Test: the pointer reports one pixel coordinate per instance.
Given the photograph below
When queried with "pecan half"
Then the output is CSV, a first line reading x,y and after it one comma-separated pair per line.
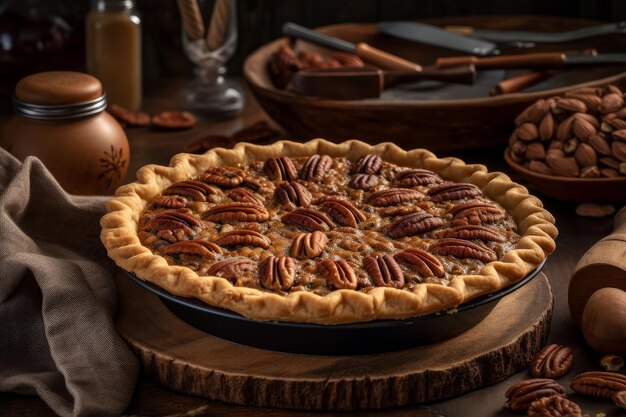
x,y
240,212
363,181
521,395
192,190
393,196
342,211
243,238
384,270
308,219
170,201
447,192
413,224
308,245
368,164
232,268
173,120
281,169
316,167
200,248
554,406
423,262
172,220
293,193
599,384
278,272
553,361
619,399
469,232
414,177
223,176
476,213
340,274
241,195
463,249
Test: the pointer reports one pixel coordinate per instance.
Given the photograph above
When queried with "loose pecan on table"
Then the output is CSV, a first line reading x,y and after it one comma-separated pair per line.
x,y
243,238
293,193
170,201
308,245
521,395
447,192
611,363
316,167
476,212
223,176
127,117
281,169
413,224
554,406
423,262
414,177
200,248
599,383
368,164
174,120
553,361
340,274
308,219
342,211
232,268
239,212
191,189
470,232
278,272
363,181
463,249
384,270
393,196
241,195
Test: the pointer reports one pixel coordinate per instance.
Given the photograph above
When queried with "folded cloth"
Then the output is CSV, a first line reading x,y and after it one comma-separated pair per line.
x,y
57,297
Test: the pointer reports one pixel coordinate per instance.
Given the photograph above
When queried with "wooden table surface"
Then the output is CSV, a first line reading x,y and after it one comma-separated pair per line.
x,y
576,235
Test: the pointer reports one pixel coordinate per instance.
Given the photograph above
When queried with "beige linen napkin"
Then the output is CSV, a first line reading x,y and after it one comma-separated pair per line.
x,y
57,297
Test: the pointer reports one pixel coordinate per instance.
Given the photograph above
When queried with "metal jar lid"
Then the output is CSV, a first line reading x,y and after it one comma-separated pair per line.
x,y
60,111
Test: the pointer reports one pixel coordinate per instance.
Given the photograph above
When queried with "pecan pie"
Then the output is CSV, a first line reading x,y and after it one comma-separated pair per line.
x,y
326,233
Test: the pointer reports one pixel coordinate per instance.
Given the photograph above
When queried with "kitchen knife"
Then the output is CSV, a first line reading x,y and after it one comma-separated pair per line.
x,y
515,36
542,60
366,52
433,35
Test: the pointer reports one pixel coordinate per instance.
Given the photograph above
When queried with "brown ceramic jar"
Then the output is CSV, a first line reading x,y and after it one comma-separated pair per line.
x,y
61,119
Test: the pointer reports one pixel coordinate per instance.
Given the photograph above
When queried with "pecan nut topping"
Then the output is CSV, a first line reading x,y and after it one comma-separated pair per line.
x,y
393,196
308,219
470,232
384,270
476,213
340,274
236,212
342,211
281,169
413,224
368,164
423,262
316,167
200,248
463,249
308,245
521,395
363,181
172,220
599,384
553,361
278,273
293,193
223,176
170,201
415,177
554,406
241,195
448,192
243,238
192,190
232,268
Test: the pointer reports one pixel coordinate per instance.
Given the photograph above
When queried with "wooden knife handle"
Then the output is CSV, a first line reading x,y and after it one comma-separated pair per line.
x,y
537,60
384,59
519,82
460,30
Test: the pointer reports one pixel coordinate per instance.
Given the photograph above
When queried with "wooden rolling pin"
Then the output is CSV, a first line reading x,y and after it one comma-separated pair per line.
x,y
604,265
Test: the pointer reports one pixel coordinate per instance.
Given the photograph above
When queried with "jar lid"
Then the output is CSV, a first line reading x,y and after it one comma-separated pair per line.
x,y
59,95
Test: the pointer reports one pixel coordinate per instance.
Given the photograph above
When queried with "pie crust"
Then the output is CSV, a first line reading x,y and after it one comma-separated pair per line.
x,y
120,236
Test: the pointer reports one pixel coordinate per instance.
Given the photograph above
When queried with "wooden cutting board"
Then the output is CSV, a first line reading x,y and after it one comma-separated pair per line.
x,y
185,359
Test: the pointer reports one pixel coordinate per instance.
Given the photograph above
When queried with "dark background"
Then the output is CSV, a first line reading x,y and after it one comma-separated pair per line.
x,y
259,22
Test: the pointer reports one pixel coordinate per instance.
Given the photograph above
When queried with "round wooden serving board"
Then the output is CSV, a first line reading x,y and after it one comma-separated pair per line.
x,y
185,359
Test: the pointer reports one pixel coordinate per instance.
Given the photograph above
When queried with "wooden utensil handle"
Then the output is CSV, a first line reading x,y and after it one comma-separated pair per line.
x,y
384,59
519,82
538,60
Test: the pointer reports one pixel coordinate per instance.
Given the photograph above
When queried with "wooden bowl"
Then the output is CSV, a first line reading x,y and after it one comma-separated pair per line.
x,y
433,116
579,190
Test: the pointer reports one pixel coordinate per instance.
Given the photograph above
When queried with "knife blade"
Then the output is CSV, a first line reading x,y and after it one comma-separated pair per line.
x,y
514,36
433,35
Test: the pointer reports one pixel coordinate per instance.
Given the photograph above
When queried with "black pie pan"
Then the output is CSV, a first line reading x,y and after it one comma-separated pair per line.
x,y
340,339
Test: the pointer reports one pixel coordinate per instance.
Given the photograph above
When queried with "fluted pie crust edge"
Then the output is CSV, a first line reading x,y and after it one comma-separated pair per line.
x,y
120,226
